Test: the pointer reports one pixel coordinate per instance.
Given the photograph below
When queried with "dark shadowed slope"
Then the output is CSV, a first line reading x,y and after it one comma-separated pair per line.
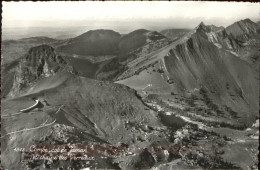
x,y
107,42
92,43
103,54
137,39
97,111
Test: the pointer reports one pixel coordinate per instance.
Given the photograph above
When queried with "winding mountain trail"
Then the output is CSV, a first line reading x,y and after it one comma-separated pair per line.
x,y
14,114
184,118
28,129
19,113
23,110
31,107
34,128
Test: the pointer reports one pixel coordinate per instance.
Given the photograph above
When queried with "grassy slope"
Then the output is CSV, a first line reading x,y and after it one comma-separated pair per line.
x,y
99,108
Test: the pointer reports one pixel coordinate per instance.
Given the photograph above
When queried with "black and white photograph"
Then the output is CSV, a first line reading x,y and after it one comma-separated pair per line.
x,y
161,85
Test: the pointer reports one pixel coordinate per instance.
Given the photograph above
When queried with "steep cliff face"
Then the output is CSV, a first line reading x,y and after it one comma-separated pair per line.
x,y
247,33
208,63
218,36
208,60
40,62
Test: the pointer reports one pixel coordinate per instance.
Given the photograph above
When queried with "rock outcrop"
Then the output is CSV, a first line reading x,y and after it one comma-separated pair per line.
x,y
40,62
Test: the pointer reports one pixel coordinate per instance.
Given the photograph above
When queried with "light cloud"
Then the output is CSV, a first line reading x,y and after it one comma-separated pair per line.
x,y
152,13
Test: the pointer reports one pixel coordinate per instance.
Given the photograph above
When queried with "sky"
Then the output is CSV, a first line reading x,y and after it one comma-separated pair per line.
x,y
126,15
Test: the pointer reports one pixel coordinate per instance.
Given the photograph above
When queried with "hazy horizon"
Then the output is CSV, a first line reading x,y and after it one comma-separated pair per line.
x,y
128,14
74,18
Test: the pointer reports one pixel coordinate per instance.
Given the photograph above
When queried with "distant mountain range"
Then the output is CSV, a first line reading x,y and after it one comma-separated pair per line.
x,y
94,43
107,42
201,50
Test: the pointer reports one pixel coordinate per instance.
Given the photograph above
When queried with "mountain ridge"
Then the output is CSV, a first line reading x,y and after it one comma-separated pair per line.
x,y
193,62
242,30
107,42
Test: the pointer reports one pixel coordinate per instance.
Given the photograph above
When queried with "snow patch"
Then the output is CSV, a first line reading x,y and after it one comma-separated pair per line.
x,y
168,113
212,37
232,52
241,141
186,119
46,71
176,55
228,44
218,45
256,124
255,137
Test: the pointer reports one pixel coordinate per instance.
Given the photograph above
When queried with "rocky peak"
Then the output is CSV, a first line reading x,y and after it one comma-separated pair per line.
x,y
242,30
40,61
209,28
43,60
215,35
247,20
203,27
215,28
202,24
